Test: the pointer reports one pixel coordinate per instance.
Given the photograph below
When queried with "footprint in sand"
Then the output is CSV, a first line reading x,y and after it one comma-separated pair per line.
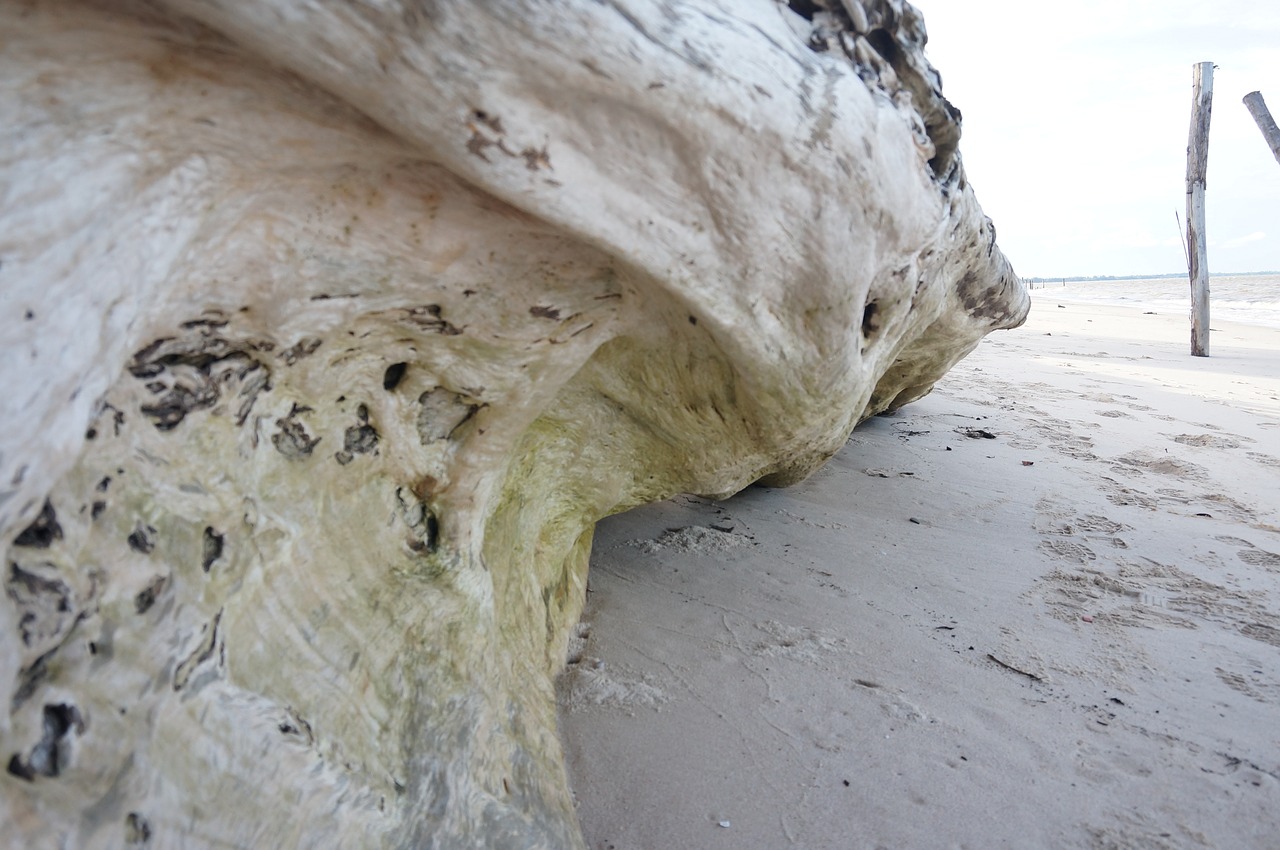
x,y
1207,503
1068,550
1095,527
1264,459
795,642
1260,558
895,704
1261,632
1250,686
1164,464
1101,524
1122,496
1207,441
1146,593
1114,600
1233,508
1064,441
1076,447
900,708
1113,414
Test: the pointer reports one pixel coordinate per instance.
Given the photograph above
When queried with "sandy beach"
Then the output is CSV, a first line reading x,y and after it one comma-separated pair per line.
x,y
1038,608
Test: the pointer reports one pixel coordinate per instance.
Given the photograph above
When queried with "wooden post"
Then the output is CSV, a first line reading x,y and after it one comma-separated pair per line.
x,y
1262,117
1197,166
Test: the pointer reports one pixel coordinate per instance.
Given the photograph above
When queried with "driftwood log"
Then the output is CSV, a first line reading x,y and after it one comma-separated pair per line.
x,y
332,329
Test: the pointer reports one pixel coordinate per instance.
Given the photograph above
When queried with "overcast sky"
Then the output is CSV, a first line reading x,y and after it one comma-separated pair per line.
x,y
1076,117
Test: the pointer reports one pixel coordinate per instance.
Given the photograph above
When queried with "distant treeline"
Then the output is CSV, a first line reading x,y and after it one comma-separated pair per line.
x,y
1141,277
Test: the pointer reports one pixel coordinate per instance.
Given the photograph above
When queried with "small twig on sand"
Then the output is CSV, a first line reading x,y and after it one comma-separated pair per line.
x,y
1182,238
1008,666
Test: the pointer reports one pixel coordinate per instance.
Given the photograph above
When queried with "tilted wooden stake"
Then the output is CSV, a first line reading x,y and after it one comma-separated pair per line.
x,y
1262,116
1197,166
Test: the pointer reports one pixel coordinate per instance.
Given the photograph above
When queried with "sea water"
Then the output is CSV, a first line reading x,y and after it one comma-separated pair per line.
x,y
1253,299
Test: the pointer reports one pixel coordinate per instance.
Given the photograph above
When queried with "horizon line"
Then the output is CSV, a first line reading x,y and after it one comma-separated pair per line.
x,y
1046,279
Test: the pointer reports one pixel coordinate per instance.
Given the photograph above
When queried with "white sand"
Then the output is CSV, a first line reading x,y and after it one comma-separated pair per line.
x,y
932,644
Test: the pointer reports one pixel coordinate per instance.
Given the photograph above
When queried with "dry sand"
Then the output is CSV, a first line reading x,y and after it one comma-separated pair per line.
x,y
1065,634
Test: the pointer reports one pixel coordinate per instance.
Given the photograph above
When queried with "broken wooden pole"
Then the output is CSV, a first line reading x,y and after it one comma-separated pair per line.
x,y
1197,166
1262,117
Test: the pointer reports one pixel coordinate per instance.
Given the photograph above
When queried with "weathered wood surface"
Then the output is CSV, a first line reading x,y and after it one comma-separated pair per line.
x,y
333,328
1262,117
1197,169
